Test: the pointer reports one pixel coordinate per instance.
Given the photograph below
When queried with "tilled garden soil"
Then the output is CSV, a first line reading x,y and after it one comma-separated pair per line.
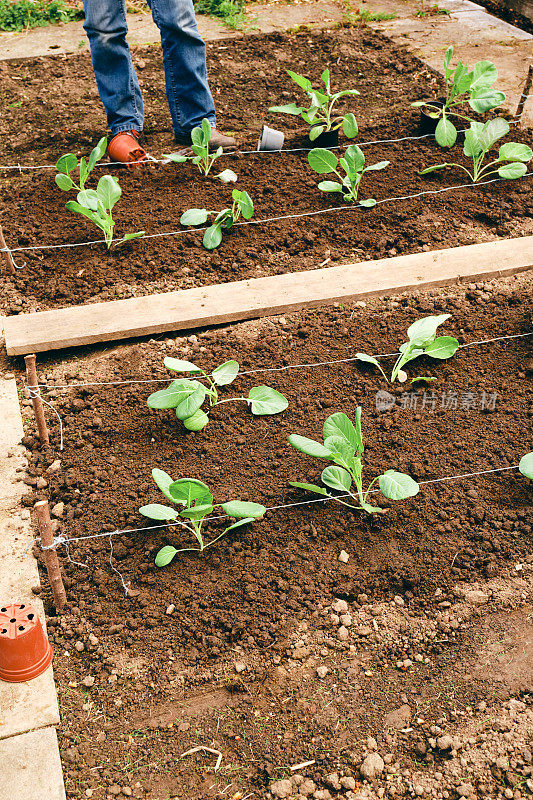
x,y
218,649
247,76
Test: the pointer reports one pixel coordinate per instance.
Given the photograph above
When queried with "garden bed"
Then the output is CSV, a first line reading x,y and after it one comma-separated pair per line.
x,y
245,83
250,597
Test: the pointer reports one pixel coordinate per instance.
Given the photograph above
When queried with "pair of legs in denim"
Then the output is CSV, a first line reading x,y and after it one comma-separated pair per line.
x,y
184,58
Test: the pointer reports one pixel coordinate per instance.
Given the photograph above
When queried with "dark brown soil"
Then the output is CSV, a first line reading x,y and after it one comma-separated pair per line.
x,y
246,80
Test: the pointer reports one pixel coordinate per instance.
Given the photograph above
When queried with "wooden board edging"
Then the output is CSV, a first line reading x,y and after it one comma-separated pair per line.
x,y
261,297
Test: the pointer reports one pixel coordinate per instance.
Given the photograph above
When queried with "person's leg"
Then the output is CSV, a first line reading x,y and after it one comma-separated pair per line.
x,y
184,57
118,87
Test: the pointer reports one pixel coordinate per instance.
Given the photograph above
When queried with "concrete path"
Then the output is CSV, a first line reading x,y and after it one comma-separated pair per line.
x,y
28,743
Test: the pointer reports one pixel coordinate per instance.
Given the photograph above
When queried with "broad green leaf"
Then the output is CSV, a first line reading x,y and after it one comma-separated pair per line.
x,y
198,511
355,158
473,146
370,360
290,108
372,509
448,56
483,100
342,452
397,485
190,404
225,373
179,365
197,421
526,465
194,216
445,133
514,170
212,236
325,78
187,490
198,138
108,191
176,158
338,424
330,186
378,165
422,379
67,163
163,481
309,446
303,83
427,170
370,202
514,151
322,160
336,478
266,401
129,236
97,153
484,74
227,176
172,395
245,203
239,524
206,128
165,555
72,205
349,126
418,104
240,509
493,130
64,182
423,329
442,347
159,512
316,131
309,487
88,198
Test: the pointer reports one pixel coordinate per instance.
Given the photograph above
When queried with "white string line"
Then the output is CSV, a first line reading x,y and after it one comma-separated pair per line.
x,y
62,539
239,153
266,369
269,219
35,391
6,249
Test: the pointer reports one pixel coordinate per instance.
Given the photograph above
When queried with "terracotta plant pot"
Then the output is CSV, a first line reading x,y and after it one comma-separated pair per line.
x,y
25,652
326,139
428,124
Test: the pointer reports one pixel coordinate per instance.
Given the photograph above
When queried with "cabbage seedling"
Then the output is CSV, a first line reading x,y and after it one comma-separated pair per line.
x,y
479,138
526,465
352,163
95,204
202,158
187,396
463,85
320,114
343,445
423,341
196,503
224,220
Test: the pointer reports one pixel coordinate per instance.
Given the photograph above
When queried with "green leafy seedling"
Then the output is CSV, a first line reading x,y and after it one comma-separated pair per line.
x,y
320,113
479,138
187,395
202,156
196,504
343,445
423,341
95,204
352,163
526,465
224,220
463,85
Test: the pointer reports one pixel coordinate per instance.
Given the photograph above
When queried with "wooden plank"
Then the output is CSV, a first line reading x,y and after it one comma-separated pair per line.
x,y
258,297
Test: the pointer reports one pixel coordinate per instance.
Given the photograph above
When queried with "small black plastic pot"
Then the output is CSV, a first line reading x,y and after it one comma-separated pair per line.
x,y
326,139
428,124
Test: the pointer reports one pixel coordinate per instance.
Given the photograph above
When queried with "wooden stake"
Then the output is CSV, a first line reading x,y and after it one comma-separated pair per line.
x,y
31,380
6,254
50,555
525,92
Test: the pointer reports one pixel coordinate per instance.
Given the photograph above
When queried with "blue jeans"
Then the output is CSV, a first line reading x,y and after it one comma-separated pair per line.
x,y
184,58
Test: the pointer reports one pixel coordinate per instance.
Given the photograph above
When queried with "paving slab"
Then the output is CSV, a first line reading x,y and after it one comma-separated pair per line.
x,y
31,768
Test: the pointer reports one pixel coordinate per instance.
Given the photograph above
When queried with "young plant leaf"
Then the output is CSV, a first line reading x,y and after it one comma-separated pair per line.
x,y
198,511
515,170
422,379
180,365
265,400
337,478
377,166
158,512
515,151
163,481
227,176
526,465
64,182
338,424
240,509
88,198
443,347
349,126
316,131
173,395
187,490
97,153
108,191
446,133
309,446
239,524
165,555
309,487
66,163
369,203
290,108
197,421
191,403
212,237
330,186
370,360
225,373
322,160
482,100
303,83
397,485
194,216
424,328
176,158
